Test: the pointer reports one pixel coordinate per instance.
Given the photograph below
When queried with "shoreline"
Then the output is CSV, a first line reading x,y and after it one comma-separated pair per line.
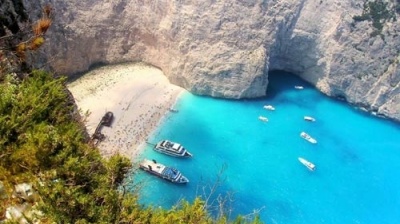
x,y
139,95
158,124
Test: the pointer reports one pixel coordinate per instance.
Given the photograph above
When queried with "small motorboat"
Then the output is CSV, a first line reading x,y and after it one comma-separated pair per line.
x,y
262,118
308,118
269,107
308,137
298,87
307,164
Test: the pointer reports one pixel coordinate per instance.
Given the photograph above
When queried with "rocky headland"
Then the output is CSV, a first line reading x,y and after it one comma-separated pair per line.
x,y
347,49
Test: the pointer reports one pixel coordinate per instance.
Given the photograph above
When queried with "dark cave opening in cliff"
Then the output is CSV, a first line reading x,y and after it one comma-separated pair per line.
x,y
280,81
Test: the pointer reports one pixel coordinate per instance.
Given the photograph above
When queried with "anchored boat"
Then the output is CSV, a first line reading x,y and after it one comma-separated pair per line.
x,y
269,107
162,171
172,149
309,118
308,137
262,118
308,164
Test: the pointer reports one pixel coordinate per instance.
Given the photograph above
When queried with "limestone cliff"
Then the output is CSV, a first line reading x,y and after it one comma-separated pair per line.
x,y
347,49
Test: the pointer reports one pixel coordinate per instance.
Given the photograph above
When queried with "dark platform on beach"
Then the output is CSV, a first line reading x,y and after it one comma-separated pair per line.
x,y
106,120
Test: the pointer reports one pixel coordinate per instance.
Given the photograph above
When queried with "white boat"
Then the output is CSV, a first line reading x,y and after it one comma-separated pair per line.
x,y
308,137
172,149
269,107
298,87
162,171
308,164
173,110
261,118
308,118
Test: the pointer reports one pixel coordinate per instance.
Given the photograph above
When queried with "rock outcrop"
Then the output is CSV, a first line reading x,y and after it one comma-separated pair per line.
x,y
347,49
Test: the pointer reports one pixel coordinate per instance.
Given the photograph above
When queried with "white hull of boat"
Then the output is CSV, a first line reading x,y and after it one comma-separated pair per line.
x,y
172,149
308,118
308,137
269,107
264,119
307,164
167,173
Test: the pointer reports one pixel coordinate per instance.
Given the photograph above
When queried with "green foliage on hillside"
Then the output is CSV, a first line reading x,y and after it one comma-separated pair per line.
x,y
378,12
20,38
41,143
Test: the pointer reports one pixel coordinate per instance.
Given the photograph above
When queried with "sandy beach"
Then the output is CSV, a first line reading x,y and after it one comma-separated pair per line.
x,y
138,95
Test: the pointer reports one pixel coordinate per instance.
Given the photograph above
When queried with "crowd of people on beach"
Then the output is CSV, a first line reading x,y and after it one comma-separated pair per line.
x,y
138,95
130,132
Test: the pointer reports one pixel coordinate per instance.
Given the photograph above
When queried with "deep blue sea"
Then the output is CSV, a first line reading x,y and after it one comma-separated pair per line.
x,y
357,157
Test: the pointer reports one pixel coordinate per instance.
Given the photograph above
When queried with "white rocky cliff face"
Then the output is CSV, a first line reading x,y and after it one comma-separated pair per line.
x,y
347,49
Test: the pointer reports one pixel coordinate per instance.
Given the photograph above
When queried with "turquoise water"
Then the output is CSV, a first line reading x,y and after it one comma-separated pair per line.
x,y
357,157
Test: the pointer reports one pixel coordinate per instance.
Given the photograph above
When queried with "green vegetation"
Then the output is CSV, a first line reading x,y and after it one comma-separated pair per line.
x,y
42,142
378,12
19,37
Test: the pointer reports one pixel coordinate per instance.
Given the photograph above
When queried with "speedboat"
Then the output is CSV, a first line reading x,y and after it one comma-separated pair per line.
x,y
261,118
308,137
269,107
165,172
298,87
308,118
308,164
172,149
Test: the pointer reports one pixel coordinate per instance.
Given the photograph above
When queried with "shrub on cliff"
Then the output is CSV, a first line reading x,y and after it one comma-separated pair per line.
x,y
378,12
41,143
19,36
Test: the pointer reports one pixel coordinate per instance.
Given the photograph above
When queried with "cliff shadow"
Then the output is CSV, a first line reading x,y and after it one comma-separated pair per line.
x,y
280,81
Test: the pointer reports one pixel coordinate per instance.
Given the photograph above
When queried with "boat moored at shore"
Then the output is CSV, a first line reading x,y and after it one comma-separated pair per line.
x,y
173,110
307,164
308,137
165,172
172,149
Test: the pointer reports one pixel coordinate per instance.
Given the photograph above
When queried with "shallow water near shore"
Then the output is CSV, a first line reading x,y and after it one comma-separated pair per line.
x,y
357,157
